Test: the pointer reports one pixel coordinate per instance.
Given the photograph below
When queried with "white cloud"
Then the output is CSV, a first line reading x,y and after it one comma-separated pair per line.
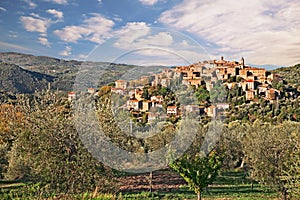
x,y
130,33
72,33
2,9
264,31
64,2
12,34
56,13
140,35
82,57
162,56
148,2
35,15
145,45
95,29
43,34
44,41
30,4
35,24
66,52
160,39
117,18
148,44
184,43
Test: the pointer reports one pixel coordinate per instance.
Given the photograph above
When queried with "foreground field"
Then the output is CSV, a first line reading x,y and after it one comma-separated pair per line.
x,y
165,185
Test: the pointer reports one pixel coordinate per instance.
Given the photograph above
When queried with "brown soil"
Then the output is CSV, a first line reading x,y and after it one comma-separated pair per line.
x,y
161,181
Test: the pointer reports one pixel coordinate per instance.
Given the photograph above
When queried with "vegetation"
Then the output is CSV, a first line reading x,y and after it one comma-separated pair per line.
x,y
198,170
122,137
268,151
289,74
42,156
43,148
227,185
202,95
22,73
17,80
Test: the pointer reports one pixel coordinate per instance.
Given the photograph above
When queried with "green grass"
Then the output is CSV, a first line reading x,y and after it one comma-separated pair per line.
x,y
244,192
228,185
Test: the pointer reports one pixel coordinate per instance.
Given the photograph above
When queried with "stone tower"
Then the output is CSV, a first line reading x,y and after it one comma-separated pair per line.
x,y
242,63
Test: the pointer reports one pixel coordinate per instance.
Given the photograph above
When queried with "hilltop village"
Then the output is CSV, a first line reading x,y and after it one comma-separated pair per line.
x,y
148,106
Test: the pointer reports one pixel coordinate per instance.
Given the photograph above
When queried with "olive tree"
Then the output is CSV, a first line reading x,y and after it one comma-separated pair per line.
x,y
270,149
232,143
291,174
11,120
48,150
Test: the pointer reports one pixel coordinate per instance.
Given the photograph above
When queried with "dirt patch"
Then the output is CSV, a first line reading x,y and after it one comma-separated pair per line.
x,y
161,181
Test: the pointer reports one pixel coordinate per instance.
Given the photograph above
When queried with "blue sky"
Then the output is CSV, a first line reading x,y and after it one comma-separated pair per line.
x,y
160,32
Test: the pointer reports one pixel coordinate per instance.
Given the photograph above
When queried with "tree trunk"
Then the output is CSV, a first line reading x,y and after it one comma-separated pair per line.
x,y
150,180
199,195
242,164
284,194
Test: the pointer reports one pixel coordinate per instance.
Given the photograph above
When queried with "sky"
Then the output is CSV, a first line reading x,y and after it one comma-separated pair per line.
x,y
154,32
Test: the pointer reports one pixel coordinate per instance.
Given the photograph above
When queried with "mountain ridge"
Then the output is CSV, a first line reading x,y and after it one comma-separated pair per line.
x,y
61,74
18,80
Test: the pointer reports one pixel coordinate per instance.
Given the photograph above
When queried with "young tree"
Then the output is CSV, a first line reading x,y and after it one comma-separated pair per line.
x,y
198,170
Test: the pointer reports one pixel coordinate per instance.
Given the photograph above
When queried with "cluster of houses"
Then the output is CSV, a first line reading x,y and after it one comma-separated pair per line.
x,y
253,81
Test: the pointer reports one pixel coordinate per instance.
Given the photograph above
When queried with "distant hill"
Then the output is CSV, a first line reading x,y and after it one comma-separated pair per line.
x,y
32,62
290,74
61,73
267,67
17,80
42,64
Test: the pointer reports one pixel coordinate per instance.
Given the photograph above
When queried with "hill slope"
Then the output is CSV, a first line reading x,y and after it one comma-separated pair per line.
x,y
290,75
64,72
17,80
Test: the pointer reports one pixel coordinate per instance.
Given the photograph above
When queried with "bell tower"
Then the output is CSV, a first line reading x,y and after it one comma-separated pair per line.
x,y
242,63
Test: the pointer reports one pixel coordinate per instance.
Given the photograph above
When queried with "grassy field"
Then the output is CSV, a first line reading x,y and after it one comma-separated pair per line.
x,y
229,185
